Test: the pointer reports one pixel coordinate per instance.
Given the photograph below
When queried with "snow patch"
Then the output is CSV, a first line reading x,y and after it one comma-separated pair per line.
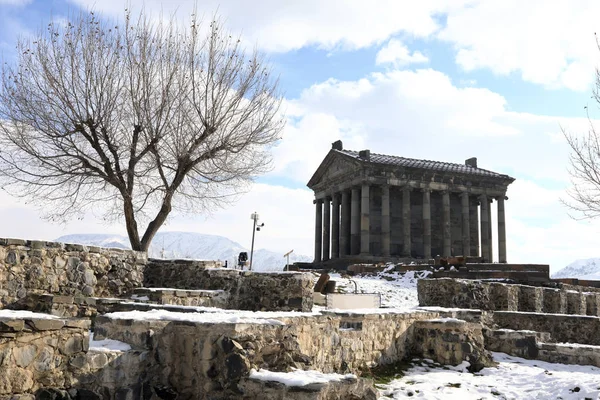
x,y
298,377
107,345
17,314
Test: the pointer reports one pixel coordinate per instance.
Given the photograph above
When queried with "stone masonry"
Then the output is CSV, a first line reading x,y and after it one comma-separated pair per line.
x,y
28,266
255,291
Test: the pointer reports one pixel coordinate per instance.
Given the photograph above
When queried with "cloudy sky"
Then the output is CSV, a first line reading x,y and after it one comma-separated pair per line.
x,y
434,79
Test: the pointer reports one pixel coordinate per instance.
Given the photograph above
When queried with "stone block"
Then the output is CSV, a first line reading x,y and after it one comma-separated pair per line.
x,y
504,297
16,242
530,298
555,301
592,304
11,325
576,303
37,244
46,324
63,299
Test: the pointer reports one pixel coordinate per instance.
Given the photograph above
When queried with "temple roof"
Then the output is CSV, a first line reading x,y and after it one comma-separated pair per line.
x,y
422,164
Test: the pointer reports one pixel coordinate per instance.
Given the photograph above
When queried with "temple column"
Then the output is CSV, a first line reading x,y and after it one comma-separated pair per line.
x,y
501,231
335,226
490,236
318,229
385,221
355,222
326,225
406,249
365,220
427,224
447,251
474,221
466,226
345,225
484,231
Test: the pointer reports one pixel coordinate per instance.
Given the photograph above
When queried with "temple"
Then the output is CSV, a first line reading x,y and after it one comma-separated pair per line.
x,y
380,207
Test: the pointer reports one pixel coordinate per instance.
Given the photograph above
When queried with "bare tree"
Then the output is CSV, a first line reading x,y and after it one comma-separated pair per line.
x,y
135,119
584,166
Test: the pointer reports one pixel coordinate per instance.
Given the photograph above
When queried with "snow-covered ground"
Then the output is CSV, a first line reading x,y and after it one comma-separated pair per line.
x,y
513,378
397,290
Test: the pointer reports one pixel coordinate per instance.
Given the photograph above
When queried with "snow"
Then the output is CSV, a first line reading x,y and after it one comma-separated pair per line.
x,y
198,291
140,298
447,320
513,378
449,309
398,290
107,345
212,316
298,377
12,314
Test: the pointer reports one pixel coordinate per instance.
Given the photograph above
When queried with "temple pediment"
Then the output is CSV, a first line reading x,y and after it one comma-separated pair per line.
x,y
332,168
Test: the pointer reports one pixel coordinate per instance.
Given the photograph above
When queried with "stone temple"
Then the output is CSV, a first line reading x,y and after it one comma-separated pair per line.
x,y
376,207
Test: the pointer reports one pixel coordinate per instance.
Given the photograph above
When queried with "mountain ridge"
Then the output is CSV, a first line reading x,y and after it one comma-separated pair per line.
x,y
587,269
179,244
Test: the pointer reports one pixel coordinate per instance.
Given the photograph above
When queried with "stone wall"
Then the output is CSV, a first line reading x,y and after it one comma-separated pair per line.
x,y
494,296
201,357
28,266
450,341
255,291
37,353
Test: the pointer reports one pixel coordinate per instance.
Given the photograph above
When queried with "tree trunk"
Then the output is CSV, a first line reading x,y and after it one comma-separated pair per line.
x,y
155,224
131,225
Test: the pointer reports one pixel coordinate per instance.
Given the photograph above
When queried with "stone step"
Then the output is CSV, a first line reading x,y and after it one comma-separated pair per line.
x,y
569,353
183,297
518,343
534,345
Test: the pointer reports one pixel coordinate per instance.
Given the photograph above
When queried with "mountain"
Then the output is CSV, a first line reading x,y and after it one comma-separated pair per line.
x,y
581,269
191,245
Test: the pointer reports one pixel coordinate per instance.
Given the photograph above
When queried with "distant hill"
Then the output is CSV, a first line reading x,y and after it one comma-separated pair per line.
x,y
190,245
581,269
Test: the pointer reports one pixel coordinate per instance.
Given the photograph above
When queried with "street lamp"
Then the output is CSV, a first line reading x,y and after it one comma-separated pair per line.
x,y
255,227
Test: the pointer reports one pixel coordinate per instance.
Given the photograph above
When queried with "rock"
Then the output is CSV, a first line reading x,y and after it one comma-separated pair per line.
x,y
11,258
5,356
24,355
52,394
15,380
97,360
89,278
88,290
47,324
74,344
44,360
84,394
12,325
237,366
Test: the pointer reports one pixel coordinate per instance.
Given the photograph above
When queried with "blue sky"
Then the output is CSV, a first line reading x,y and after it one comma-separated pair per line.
x,y
435,79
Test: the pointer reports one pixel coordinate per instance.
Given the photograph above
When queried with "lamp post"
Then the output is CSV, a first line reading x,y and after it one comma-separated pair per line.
x,y
255,227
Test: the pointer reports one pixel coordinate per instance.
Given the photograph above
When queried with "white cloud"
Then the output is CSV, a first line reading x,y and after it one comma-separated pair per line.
x,y
547,43
422,114
398,55
287,25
